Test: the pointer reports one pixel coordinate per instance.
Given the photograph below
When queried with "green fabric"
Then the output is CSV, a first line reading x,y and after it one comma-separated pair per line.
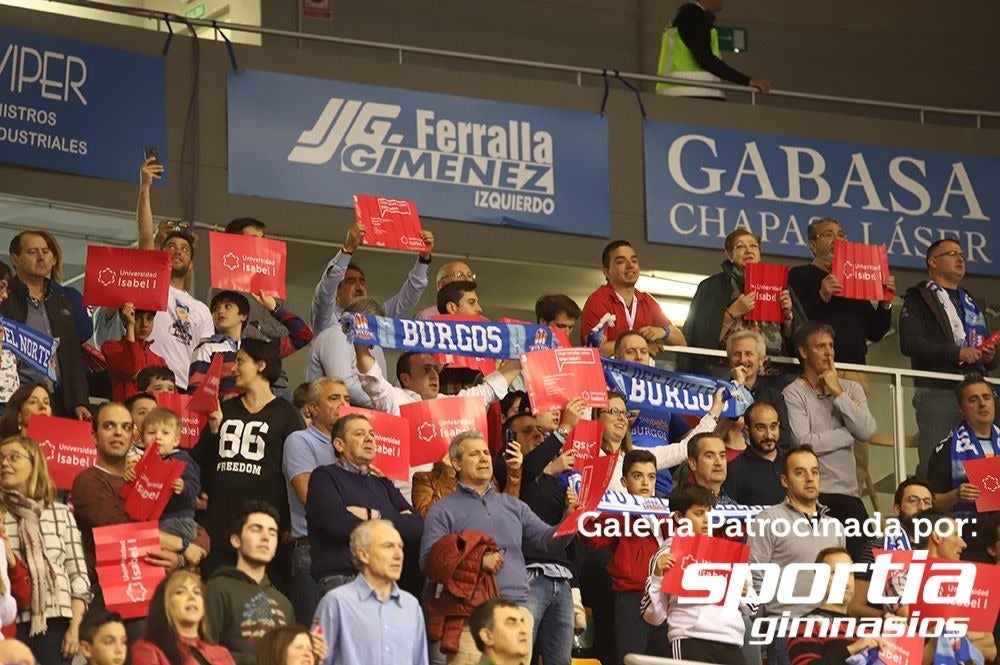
x,y
676,57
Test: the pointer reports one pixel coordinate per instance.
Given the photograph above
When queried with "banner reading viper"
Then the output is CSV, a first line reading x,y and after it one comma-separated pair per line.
x,y
703,182
473,160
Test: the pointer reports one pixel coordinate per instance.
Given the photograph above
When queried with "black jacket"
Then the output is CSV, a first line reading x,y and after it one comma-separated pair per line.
x,y
925,337
72,390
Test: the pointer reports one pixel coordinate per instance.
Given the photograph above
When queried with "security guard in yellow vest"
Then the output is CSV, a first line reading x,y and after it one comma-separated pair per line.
x,y
690,50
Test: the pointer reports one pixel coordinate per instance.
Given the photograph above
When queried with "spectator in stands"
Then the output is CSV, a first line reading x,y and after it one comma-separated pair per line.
x,y
139,405
829,413
343,282
240,603
940,328
855,322
912,496
288,645
719,306
28,400
476,506
807,646
132,353
706,458
176,631
459,298
230,310
332,355
632,347
102,637
305,451
690,50
754,477
9,378
162,428
633,309
558,312
156,379
454,271
82,321
975,437
371,619
300,397
240,454
697,632
500,631
746,353
345,494
43,533
801,478
33,301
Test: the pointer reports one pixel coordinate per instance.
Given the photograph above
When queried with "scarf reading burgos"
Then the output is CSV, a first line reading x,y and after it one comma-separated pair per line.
x,y
28,512
463,338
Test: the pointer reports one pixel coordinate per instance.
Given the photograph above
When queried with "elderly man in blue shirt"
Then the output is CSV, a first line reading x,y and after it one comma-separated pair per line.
x,y
371,621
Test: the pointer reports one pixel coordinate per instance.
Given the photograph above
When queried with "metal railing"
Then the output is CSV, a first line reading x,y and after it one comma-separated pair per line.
x,y
578,72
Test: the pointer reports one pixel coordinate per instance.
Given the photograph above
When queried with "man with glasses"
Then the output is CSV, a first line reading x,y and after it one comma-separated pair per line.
x,y
941,326
455,271
343,282
855,322
911,497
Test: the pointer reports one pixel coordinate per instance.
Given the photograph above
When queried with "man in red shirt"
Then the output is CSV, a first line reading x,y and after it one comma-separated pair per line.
x,y
633,309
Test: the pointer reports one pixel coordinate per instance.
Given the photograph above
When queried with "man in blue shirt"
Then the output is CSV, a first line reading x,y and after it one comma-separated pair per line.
x,y
370,620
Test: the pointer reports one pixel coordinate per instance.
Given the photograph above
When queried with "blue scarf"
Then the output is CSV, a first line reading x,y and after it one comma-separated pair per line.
x,y
972,322
957,651
32,347
462,338
657,391
965,445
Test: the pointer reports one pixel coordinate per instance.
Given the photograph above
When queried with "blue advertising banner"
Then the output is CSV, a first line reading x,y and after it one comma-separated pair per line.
x,y
458,158
703,182
76,107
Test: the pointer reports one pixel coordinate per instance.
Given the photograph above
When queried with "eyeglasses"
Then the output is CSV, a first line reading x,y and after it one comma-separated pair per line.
x,y
110,426
831,233
615,412
464,276
746,246
13,458
952,254
924,501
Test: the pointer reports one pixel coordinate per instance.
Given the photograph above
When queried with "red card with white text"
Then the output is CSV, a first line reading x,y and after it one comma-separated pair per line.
x,y
767,281
585,439
126,580
593,485
698,548
862,270
990,341
484,365
68,445
117,275
553,377
147,496
392,441
206,398
985,474
901,651
980,610
389,223
433,423
191,422
247,263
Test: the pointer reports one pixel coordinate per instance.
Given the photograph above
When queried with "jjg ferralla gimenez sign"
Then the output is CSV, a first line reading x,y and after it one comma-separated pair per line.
x,y
703,182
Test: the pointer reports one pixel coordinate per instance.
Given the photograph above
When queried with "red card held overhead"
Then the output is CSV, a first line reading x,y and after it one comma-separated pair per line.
x,y
247,263
68,446
117,275
127,580
985,474
392,441
593,485
861,270
206,398
147,496
453,361
585,440
191,422
434,422
766,281
389,223
698,548
555,376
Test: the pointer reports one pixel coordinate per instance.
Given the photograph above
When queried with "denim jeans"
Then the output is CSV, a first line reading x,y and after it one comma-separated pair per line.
x,y
551,604
305,592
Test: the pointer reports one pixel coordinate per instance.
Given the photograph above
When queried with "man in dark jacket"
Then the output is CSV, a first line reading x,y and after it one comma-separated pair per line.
x,y
940,328
34,302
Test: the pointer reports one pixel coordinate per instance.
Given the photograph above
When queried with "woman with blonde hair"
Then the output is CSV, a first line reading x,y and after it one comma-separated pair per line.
x,y
175,629
43,533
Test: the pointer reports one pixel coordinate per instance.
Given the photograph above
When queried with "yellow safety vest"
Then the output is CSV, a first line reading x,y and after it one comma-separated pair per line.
x,y
676,60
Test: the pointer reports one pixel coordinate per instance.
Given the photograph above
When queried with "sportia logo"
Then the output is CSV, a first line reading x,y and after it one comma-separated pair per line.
x,y
510,164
